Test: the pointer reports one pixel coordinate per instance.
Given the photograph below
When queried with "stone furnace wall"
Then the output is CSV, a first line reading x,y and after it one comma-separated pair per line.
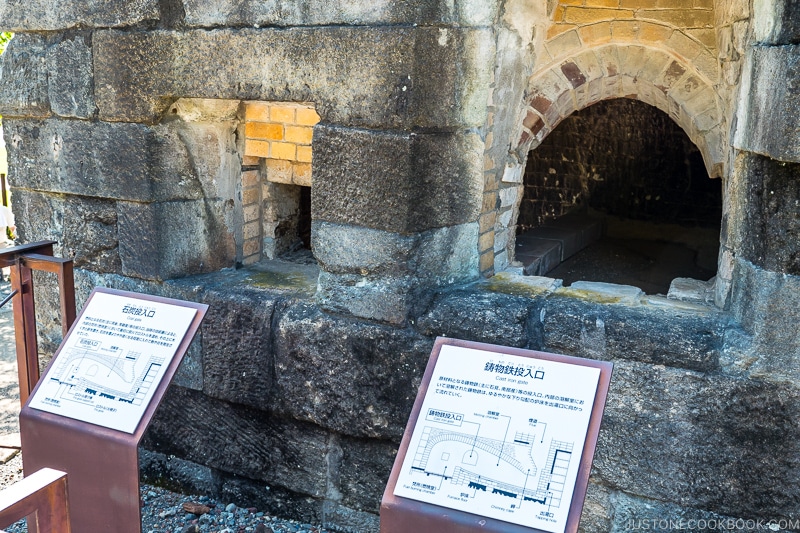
x,y
169,147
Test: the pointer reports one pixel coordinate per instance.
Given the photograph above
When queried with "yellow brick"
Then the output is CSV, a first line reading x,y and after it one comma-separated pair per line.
x,y
256,148
250,178
583,15
279,171
558,15
564,44
306,116
250,196
595,33
602,3
250,161
637,4
279,150
304,154
252,212
655,33
487,261
681,18
302,174
706,36
282,113
262,130
625,30
299,134
257,111
558,29
571,2
251,247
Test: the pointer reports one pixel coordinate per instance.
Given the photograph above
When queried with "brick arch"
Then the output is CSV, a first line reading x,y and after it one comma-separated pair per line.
x,y
650,74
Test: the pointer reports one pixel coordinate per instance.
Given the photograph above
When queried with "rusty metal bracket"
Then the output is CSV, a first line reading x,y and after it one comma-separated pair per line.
x,y
23,260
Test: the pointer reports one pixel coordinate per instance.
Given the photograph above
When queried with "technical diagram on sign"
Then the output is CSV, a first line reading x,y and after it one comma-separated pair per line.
x,y
501,436
114,357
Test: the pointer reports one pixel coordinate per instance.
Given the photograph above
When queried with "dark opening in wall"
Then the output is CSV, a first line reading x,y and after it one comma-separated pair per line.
x,y
304,217
622,177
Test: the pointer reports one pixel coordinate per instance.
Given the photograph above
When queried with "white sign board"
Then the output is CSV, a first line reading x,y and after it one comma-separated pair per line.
x,y
114,358
500,436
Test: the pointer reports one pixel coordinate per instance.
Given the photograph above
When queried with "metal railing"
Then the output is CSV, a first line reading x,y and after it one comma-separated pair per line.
x,y
42,497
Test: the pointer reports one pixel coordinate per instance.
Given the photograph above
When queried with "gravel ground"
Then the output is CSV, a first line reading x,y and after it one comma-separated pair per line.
x,y
164,511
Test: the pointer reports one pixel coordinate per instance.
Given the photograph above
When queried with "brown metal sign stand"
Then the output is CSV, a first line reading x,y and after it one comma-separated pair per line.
x,y
102,463
403,514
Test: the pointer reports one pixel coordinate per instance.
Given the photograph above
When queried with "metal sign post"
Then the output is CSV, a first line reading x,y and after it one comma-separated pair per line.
x,y
89,412
500,440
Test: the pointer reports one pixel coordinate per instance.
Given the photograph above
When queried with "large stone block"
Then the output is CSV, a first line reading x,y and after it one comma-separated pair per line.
x,y
137,74
337,12
238,363
70,77
165,240
771,213
766,303
362,475
23,78
396,182
240,441
770,111
44,15
115,161
776,21
480,316
353,377
705,441
683,339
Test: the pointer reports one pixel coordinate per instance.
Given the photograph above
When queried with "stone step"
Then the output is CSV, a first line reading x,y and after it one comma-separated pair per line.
x,y
543,248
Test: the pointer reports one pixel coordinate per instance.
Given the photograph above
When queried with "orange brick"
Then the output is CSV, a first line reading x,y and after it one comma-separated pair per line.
x,y
306,116
257,111
595,33
558,15
282,113
261,130
304,154
625,30
487,261
299,134
302,174
250,161
279,150
256,148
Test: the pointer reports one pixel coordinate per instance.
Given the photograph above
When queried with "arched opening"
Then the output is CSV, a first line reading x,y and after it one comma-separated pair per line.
x,y
618,193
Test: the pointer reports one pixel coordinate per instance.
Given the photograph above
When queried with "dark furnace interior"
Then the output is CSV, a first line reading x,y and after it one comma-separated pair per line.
x,y
618,193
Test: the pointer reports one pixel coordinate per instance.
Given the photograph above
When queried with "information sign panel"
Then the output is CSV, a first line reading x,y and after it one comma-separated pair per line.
x,y
114,358
500,433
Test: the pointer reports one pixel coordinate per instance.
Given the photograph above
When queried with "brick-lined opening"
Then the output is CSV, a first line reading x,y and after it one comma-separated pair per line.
x,y
276,179
644,183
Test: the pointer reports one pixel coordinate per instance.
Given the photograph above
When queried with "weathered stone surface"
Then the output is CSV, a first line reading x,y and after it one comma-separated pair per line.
x,y
776,21
339,12
766,304
701,440
85,228
137,74
23,78
362,475
240,441
353,377
480,316
273,499
769,117
379,298
680,338
44,15
164,240
70,84
771,214
176,474
237,360
427,181
117,161
597,509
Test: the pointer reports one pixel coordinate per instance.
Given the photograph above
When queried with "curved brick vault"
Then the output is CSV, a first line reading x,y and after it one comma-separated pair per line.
x,y
662,67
